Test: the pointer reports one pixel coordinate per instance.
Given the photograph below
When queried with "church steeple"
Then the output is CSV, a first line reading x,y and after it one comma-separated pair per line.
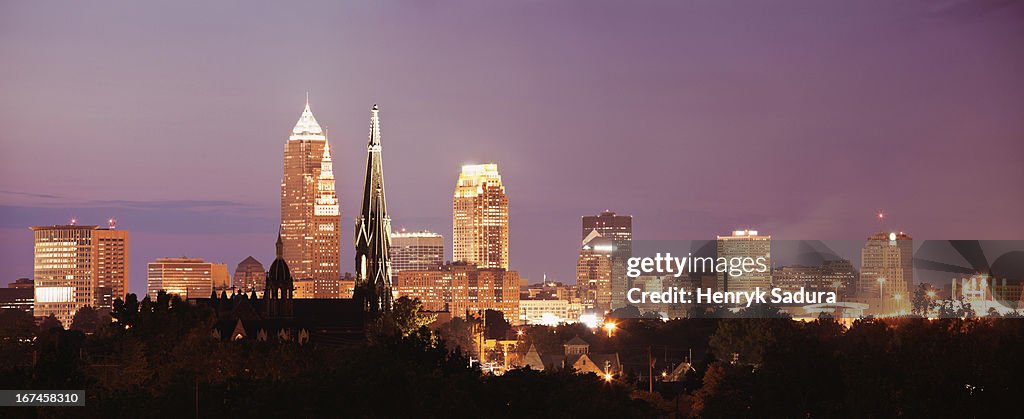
x,y
373,227
280,245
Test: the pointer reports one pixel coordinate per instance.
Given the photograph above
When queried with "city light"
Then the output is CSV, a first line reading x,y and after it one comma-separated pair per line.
x,y
608,377
610,328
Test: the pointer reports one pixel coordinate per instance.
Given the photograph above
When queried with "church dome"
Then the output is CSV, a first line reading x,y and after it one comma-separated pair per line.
x,y
279,274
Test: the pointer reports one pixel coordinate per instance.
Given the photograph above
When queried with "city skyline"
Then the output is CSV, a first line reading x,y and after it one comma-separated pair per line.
x,y
906,151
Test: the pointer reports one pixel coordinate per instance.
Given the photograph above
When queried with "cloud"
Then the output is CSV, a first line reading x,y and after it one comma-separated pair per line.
x,y
31,195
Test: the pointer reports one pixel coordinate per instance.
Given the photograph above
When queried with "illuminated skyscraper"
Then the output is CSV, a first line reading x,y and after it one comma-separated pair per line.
x,y
309,206
373,228
416,251
619,230
78,266
186,277
480,217
746,244
594,272
249,276
887,271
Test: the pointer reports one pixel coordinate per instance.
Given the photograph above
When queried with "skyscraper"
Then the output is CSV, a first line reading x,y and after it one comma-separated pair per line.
x,y
77,266
186,277
416,251
249,276
480,217
373,228
887,271
309,206
618,229
594,272
746,244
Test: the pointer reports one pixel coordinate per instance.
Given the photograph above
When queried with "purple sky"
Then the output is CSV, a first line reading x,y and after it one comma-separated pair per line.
x,y
800,119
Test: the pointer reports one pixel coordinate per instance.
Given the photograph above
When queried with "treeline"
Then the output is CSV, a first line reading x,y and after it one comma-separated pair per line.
x,y
158,358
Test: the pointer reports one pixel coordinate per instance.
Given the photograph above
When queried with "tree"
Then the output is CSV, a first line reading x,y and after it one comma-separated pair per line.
x,y
87,319
404,318
50,323
497,326
726,393
16,324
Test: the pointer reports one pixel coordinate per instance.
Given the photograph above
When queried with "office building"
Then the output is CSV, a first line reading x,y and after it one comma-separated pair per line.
x,y
19,295
618,229
460,287
78,266
186,277
594,271
745,244
249,276
416,251
310,216
480,217
887,272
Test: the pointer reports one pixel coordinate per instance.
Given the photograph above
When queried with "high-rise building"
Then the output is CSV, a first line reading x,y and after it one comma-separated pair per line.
x,y
746,244
619,230
887,271
594,272
416,251
78,266
309,206
373,228
186,277
480,217
249,276
460,287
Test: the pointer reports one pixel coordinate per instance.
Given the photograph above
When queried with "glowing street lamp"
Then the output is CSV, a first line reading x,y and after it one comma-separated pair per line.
x,y
610,327
608,377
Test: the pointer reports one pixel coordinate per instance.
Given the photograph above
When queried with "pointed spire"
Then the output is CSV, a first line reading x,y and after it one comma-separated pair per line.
x,y
280,244
374,128
373,227
307,125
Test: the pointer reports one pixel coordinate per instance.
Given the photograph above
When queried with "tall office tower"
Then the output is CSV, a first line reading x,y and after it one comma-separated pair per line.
x,y
186,277
309,206
416,251
618,228
746,244
480,217
249,276
461,287
887,271
78,266
594,272
373,228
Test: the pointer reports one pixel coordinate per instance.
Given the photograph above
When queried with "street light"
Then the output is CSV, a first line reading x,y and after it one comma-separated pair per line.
x,y
608,377
610,327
